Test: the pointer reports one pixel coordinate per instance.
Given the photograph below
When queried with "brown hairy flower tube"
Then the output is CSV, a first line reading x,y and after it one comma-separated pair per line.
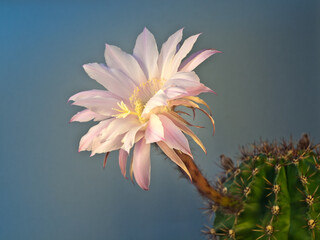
x,y
205,189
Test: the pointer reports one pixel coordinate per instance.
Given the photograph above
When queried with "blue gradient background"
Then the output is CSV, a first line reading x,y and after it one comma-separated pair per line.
x,y
267,82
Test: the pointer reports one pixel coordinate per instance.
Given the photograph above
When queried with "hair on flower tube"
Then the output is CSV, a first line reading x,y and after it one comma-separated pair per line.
x,y
138,107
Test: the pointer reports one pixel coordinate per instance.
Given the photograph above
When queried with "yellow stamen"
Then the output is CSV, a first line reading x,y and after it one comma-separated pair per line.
x,y
124,110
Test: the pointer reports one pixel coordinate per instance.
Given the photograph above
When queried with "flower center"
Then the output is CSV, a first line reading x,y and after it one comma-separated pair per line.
x,y
139,98
146,90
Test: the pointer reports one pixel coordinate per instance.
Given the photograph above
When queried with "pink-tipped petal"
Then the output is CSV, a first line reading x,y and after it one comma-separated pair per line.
x,y
173,156
146,53
167,52
173,136
154,131
123,156
141,164
195,59
87,115
111,78
196,90
118,59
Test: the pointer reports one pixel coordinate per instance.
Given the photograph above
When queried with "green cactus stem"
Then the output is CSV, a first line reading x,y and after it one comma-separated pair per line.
x,y
278,186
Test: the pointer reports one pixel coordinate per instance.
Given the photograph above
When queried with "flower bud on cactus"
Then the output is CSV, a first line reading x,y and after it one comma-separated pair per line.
x,y
277,186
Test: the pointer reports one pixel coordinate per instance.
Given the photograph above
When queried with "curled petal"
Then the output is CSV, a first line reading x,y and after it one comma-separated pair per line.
x,y
174,157
141,164
195,59
211,119
199,100
181,119
185,129
183,102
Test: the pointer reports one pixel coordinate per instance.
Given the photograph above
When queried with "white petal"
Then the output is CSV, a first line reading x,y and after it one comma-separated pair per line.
x,y
123,61
93,94
168,50
141,164
87,115
159,99
108,146
130,138
183,51
146,52
119,126
86,140
111,79
154,131
99,105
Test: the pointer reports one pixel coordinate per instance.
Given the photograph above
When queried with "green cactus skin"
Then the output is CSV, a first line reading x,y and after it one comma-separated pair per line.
x,y
277,185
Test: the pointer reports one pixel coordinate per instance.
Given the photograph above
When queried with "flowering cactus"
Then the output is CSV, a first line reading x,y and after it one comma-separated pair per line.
x,y
139,106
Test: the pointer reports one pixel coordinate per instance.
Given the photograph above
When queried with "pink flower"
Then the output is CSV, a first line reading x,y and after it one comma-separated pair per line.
x,y
138,108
